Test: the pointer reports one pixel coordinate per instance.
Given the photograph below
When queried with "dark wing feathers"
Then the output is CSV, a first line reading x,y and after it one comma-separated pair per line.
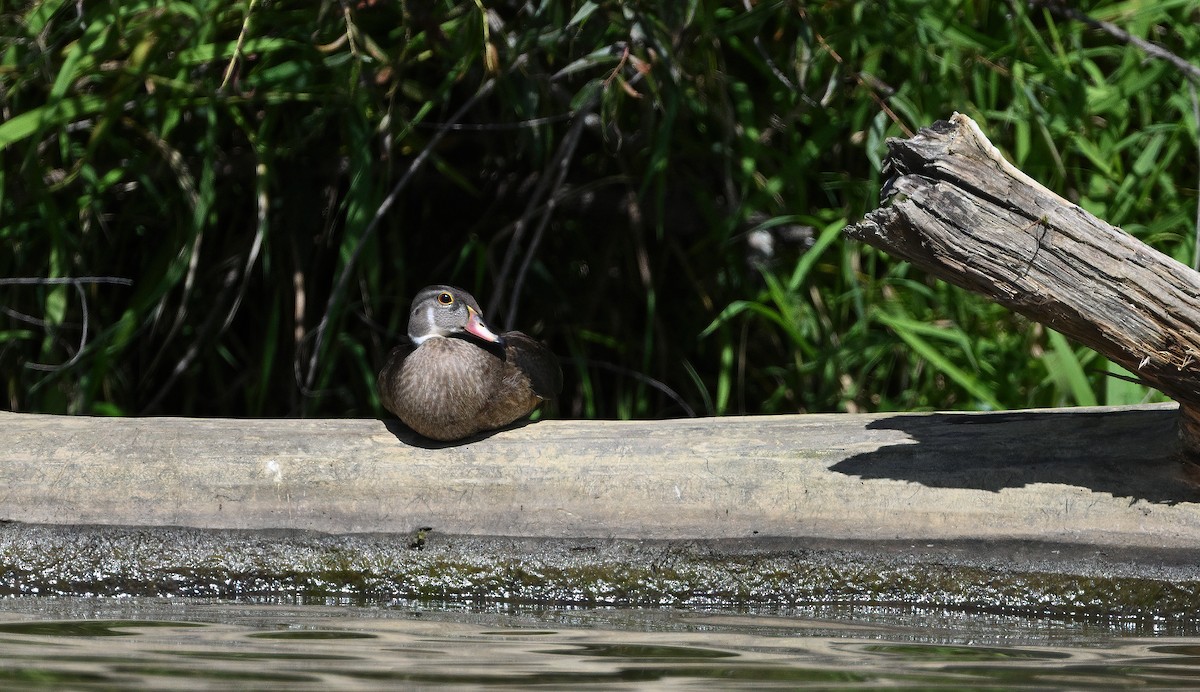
x,y
537,362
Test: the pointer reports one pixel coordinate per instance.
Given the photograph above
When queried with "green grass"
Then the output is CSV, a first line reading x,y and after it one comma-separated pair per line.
x,y
277,180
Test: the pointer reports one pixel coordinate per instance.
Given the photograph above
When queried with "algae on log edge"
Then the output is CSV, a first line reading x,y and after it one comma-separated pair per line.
x,y
954,207
1013,577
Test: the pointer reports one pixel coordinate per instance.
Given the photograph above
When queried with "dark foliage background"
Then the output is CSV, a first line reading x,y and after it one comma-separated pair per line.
x,y
656,189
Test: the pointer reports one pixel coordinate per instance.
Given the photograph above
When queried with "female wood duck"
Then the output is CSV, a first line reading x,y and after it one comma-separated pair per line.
x,y
458,377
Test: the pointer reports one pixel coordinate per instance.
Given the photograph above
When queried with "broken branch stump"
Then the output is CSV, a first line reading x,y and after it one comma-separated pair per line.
x,y
957,209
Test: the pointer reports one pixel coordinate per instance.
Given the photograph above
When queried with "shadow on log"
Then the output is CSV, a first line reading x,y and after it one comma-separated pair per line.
x,y
980,452
955,208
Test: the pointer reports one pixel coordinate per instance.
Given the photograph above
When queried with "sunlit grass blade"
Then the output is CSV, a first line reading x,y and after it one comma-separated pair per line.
x,y
1066,370
829,235
59,113
906,330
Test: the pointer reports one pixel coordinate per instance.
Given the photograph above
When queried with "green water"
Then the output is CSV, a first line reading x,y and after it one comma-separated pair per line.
x,y
124,643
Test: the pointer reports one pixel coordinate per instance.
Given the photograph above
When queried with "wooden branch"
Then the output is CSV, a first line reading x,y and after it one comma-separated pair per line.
x,y
958,210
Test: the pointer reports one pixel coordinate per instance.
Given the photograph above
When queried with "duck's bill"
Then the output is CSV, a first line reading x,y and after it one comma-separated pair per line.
x,y
476,326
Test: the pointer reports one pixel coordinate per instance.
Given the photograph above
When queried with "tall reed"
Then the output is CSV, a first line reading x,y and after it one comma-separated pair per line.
x,y
656,189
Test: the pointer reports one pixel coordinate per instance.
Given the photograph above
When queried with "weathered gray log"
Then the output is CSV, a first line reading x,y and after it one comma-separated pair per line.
x,y
1090,476
959,211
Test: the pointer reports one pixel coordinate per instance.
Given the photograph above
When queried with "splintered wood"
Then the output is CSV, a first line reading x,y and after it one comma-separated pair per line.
x,y
957,209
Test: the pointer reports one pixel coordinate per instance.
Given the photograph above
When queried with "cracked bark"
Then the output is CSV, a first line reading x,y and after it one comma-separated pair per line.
x,y
955,208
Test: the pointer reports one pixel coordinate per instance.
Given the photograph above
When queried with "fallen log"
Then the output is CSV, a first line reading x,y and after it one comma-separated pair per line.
x,y
958,210
1100,476
1071,511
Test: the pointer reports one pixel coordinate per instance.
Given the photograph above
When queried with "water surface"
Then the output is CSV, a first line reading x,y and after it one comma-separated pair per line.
x,y
82,643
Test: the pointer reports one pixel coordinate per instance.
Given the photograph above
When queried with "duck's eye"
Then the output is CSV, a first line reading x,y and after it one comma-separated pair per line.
x,y
445,298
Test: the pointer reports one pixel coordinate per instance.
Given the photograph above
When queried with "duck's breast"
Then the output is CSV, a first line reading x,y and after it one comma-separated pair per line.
x,y
444,385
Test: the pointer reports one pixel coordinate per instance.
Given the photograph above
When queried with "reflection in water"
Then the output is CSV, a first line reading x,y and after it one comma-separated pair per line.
x,y
156,643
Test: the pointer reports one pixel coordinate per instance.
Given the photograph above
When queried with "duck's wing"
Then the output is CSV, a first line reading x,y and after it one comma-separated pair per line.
x,y
536,361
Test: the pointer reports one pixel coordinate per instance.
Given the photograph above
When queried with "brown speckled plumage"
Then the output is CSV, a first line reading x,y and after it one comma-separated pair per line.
x,y
458,378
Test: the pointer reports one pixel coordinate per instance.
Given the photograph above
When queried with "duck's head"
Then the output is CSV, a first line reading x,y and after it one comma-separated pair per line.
x,y
447,311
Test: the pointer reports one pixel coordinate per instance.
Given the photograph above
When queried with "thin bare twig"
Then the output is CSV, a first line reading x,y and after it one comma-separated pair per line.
x,y
264,206
344,278
37,281
83,336
862,82
77,282
1191,71
187,184
22,317
1062,9
208,326
762,52
641,377
237,50
562,161
499,127
189,356
547,188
